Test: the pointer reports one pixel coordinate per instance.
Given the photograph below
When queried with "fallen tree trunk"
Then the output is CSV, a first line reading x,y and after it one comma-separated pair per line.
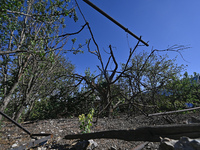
x,y
150,133
172,112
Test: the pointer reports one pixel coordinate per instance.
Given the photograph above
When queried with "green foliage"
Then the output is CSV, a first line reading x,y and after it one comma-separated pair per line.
x,y
74,40
47,109
40,110
146,79
38,21
31,31
86,121
184,90
180,91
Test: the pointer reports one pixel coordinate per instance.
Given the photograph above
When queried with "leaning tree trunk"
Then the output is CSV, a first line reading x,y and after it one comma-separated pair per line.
x,y
7,98
31,106
25,101
19,113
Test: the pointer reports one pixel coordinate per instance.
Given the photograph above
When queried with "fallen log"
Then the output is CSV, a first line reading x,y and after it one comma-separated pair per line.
x,y
150,133
172,112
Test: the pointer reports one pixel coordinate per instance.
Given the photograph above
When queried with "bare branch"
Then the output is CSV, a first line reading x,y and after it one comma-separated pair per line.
x,y
175,48
74,32
116,64
108,63
20,13
34,15
126,65
11,52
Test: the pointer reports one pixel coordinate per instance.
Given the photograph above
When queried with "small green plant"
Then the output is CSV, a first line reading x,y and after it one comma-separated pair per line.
x,y
86,121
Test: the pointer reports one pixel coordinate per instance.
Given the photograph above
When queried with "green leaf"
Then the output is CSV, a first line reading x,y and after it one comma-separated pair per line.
x,y
74,40
66,12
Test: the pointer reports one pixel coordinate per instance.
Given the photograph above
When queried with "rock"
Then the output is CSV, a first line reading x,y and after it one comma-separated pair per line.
x,y
195,144
150,145
92,145
41,148
167,144
113,148
14,145
86,144
58,139
184,143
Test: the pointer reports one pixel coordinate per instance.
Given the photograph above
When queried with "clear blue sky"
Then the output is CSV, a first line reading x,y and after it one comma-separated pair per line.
x,y
162,23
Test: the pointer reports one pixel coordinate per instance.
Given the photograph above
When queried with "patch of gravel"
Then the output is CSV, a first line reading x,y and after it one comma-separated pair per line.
x,y
11,135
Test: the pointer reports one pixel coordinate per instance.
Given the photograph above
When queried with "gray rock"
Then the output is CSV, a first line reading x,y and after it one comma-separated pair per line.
x,y
184,143
113,148
92,145
167,144
14,145
41,148
195,144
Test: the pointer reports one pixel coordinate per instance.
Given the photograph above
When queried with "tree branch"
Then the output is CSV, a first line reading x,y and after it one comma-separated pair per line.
x,y
116,64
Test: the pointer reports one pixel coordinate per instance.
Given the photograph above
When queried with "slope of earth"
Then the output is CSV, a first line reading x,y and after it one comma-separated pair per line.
x,y
11,136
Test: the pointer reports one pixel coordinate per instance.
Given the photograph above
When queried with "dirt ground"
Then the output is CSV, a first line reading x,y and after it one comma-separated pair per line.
x,y
11,136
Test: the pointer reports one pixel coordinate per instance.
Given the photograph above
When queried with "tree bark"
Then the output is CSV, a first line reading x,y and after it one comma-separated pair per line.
x,y
7,98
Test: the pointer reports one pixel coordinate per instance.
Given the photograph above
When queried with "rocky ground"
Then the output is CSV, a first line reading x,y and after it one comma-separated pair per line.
x,y
12,136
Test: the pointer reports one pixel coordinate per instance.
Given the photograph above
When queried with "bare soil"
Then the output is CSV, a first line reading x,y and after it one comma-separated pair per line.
x,y
11,135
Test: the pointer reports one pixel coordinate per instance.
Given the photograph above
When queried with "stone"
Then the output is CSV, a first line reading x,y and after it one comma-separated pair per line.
x,y
184,143
14,145
41,148
113,148
92,145
167,144
195,144
86,144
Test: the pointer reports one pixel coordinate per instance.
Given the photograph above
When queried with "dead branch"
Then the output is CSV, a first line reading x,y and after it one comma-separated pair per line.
x,y
175,48
74,32
172,112
127,62
116,64
114,21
